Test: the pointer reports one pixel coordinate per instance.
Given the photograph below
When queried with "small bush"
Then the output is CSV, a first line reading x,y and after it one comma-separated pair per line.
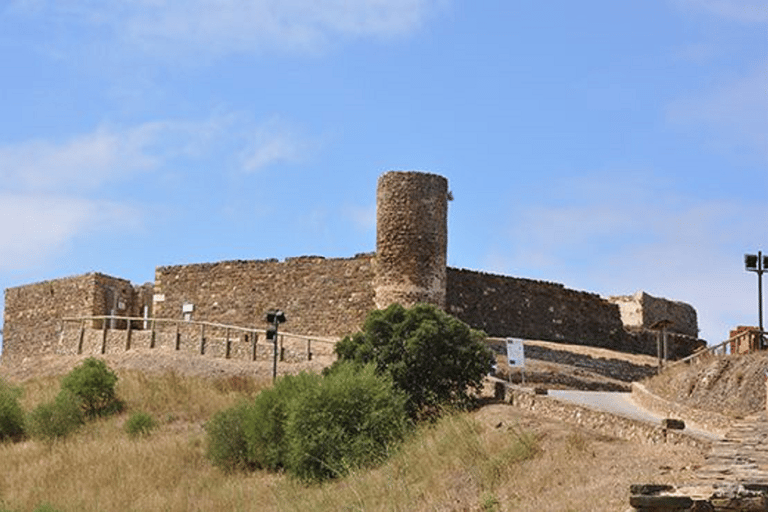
x,y
140,424
352,420
94,383
11,414
266,420
252,435
56,419
227,447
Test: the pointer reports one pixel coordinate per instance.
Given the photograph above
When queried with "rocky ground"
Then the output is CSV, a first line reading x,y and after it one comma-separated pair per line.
x,y
732,385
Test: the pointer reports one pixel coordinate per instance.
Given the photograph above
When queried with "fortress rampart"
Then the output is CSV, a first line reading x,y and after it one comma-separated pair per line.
x,y
331,297
321,297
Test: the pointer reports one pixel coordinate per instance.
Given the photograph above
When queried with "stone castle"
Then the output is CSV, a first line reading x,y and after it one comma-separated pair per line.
x,y
332,296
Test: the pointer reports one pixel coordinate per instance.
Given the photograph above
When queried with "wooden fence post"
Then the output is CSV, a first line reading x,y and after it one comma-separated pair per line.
x,y
104,336
81,338
128,335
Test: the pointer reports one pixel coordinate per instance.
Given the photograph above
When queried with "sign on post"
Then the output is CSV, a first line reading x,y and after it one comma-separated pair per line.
x,y
516,356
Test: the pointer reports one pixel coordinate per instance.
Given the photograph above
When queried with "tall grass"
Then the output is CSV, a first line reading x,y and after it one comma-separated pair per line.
x,y
460,462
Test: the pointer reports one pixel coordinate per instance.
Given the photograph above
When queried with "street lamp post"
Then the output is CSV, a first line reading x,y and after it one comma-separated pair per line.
x,y
274,317
759,264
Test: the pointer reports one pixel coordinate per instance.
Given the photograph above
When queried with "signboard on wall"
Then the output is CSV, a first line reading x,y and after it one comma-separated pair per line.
x,y
515,353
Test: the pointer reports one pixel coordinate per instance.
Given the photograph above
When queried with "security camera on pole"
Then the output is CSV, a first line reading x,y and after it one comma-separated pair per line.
x,y
275,317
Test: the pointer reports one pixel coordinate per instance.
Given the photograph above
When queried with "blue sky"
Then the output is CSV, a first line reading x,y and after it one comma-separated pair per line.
x,y
610,146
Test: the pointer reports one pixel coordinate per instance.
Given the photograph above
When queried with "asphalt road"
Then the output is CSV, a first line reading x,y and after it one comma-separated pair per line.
x,y
617,403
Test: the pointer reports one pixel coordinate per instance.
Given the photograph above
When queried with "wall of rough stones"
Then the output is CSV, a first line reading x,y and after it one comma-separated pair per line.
x,y
411,238
603,422
505,306
189,338
704,420
641,311
331,297
33,313
319,296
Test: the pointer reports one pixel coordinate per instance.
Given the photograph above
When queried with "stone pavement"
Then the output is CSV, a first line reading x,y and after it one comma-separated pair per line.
x,y
742,457
734,476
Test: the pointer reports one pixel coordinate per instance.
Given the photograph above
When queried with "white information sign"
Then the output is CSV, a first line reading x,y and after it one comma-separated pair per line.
x,y
515,353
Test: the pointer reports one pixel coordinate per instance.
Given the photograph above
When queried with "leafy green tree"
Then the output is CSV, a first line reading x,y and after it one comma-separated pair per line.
x,y
432,356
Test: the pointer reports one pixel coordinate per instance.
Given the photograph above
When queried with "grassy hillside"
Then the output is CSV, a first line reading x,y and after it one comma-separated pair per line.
x,y
492,459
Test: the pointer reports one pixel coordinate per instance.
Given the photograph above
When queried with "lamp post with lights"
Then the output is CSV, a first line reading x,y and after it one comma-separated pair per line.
x,y
274,318
759,264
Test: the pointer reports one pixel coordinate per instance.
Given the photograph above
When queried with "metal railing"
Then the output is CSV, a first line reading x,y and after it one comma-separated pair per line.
x,y
205,332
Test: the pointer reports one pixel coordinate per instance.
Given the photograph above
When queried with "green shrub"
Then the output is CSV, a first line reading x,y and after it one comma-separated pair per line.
x,y
226,444
352,419
432,356
94,383
266,420
11,414
56,419
140,424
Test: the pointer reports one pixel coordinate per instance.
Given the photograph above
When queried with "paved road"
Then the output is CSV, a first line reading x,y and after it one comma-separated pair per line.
x,y
617,403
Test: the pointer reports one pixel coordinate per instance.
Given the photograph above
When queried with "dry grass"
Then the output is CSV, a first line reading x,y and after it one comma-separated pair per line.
x,y
495,459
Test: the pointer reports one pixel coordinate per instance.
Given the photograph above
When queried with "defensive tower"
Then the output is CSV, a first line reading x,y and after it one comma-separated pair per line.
x,y
411,239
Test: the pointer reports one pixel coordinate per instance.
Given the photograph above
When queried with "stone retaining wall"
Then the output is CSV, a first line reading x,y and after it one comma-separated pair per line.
x,y
704,420
603,422
95,341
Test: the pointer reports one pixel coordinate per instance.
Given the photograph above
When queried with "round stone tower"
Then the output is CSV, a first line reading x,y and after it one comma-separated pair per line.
x,y
411,239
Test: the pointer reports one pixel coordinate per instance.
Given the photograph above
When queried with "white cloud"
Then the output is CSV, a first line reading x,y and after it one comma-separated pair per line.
x,y
747,11
640,237
51,191
35,226
88,161
84,161
362,217
224,26
735,113
274,141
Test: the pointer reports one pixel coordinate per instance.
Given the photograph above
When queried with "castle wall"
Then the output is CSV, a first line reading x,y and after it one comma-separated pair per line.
x,y
411,239
320,297
641,310
537,310
33,313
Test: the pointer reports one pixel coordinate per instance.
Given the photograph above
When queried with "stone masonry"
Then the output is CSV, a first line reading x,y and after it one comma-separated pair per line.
x,y
331,297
